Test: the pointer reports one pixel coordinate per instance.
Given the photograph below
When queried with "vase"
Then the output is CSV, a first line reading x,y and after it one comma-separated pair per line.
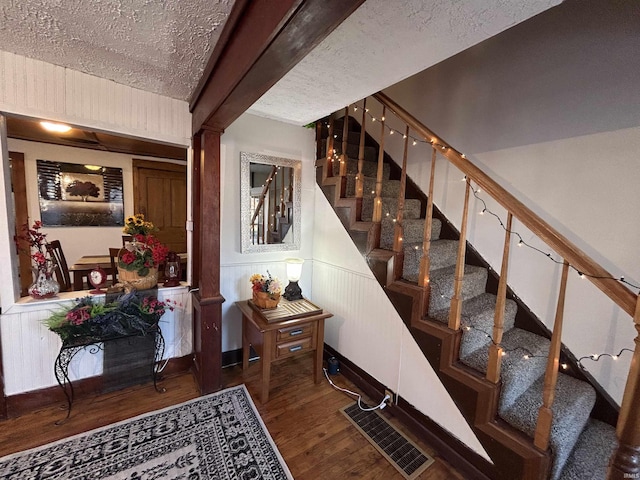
x,y
44,286
265,300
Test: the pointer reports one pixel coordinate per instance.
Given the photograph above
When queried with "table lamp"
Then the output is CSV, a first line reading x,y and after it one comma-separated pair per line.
x,y
294,271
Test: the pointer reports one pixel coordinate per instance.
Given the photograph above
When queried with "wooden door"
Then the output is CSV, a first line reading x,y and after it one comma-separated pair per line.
x,y
161,195
19,189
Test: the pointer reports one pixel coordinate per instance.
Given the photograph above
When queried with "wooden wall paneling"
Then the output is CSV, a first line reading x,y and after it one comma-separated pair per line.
x,y
38,89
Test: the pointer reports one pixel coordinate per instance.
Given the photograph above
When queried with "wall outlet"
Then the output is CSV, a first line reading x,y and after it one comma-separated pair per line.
x,y
392,398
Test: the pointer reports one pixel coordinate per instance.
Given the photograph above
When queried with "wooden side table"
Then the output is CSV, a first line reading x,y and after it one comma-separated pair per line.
x,y
285,338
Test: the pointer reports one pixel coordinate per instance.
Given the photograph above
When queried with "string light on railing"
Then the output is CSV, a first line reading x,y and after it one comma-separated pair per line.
x,y
433,142
522,243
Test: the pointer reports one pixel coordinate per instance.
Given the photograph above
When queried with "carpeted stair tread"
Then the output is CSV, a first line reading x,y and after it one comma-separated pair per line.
x,y
412,231
412,207
590,457
473,284
390,188
443,253
353,150
573,402
516,372
478,313
369,169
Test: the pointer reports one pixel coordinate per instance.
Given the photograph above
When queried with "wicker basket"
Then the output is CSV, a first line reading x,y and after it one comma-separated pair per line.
x,y
263,300
131,279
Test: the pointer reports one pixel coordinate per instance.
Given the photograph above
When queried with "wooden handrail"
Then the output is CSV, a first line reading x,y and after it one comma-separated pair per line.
x,y
601,278
265,191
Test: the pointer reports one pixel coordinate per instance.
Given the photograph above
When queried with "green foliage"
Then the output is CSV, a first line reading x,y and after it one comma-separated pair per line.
x,y
131,314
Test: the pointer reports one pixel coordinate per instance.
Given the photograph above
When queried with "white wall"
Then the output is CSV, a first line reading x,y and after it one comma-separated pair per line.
x,y
366,328
551,109
269,137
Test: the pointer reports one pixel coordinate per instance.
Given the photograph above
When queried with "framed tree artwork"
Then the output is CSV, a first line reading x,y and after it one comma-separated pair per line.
x,y
74,195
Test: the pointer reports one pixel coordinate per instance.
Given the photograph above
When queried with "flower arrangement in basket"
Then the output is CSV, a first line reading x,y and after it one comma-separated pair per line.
x,y
44,285
131,314
266,290
138,260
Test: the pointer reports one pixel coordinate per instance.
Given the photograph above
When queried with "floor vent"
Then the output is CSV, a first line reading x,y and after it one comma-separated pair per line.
x,y
401,452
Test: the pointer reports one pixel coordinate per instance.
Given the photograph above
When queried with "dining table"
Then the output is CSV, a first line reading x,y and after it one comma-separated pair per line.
x,y
83,266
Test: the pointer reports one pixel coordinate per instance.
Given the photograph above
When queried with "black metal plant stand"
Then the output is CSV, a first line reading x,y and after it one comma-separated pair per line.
x,y
93,345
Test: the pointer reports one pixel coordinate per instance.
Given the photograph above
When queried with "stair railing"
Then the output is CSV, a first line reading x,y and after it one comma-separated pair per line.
x,y
260,205
425,262
398,229
328,170
627,457
360,175
377,201
545,414
495,350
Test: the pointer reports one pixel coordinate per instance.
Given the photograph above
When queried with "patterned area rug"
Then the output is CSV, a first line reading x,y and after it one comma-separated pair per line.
x,y
220,436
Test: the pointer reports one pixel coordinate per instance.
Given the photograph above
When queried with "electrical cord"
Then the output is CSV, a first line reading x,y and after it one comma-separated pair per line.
x,y
380,406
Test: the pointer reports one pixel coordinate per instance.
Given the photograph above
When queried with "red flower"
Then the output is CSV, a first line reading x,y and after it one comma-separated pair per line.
x,y
128,257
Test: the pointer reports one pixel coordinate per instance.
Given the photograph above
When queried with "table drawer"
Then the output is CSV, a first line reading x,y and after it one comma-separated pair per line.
x,y
292,348
293,333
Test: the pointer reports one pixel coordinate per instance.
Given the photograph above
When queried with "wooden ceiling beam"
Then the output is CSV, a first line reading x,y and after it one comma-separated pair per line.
x,y
268,39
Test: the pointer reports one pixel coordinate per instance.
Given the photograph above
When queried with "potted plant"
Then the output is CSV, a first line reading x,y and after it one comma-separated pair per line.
x,y
139,259
266,290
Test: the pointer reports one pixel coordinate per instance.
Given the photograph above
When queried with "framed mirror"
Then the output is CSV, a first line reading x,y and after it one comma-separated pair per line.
x,y
270,203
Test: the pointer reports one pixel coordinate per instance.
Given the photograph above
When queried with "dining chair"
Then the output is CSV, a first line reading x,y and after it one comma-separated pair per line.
x,y
113,254
61,268
126,238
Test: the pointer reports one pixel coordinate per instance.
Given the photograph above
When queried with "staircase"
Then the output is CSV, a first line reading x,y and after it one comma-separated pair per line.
x,y
504,413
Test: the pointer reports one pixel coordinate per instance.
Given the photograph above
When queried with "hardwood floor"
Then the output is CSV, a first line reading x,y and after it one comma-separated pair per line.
x,y
315,439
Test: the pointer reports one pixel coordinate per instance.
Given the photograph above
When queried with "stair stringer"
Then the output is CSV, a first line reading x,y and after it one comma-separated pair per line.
x,y
512,452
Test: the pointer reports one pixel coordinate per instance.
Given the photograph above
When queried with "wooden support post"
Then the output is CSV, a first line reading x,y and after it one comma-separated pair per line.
x,y
455,312
377,201
207,301
495,351
345,143
328,168
425,261
625,462
398,231
360,176
545,414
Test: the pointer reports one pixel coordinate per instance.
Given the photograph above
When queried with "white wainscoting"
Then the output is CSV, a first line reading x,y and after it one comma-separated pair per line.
x,y
29,349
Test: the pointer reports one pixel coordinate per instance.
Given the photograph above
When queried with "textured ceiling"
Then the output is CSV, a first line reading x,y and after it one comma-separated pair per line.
x,y
382,43
160,46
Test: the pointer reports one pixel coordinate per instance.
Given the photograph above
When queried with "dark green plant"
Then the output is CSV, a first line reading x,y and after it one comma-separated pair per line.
x,y
131,314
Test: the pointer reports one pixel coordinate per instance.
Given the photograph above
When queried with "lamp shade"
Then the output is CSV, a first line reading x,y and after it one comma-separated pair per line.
x,y
294,268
